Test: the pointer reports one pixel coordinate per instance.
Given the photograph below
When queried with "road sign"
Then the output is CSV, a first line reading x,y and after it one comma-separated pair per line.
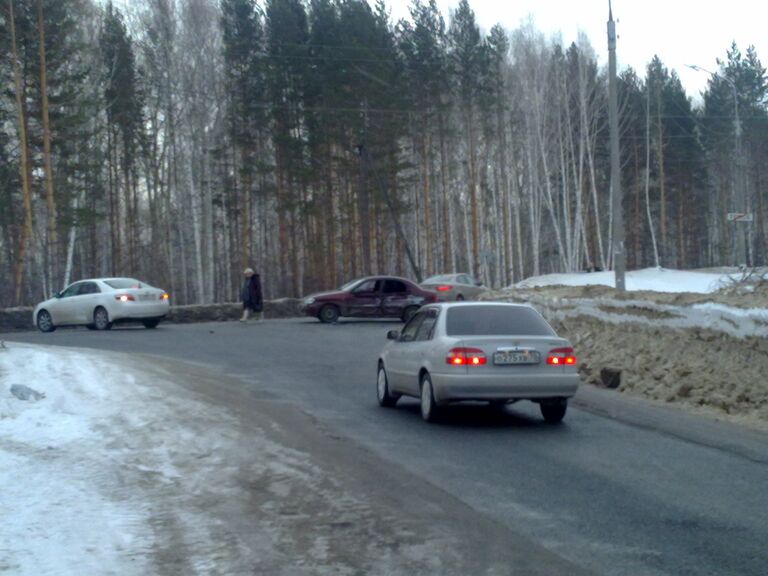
x,y
740,216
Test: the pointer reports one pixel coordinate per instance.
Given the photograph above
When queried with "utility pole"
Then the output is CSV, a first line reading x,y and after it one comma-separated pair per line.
x,y
619,256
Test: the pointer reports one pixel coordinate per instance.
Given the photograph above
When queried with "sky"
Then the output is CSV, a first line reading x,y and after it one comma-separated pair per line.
x,y
680,32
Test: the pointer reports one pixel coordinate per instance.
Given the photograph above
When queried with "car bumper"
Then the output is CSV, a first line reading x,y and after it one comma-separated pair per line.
x,y
139,310
310,309
457,387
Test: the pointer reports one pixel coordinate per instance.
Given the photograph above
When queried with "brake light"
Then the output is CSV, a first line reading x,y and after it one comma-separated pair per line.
x,y
165,296
125,298
561,357
466,357
444,288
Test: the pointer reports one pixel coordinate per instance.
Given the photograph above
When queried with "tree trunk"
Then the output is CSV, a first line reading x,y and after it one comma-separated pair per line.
x,y
26,168
53,242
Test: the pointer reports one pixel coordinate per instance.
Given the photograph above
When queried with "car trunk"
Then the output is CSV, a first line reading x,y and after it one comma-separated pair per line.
x,y
516,354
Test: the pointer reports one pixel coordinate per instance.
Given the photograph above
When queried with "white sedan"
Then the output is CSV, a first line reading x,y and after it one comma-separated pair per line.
x,y
100,302
492,352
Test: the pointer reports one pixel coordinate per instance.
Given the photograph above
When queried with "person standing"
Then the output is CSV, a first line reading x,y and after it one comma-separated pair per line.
x,y
251,295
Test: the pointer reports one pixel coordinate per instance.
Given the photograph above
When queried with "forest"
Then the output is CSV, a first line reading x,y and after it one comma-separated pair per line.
x,y
179,141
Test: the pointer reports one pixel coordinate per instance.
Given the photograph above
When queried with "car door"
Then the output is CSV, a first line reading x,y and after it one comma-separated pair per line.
x,y
63,308
394,298
365,299
417,352
398,357
85,302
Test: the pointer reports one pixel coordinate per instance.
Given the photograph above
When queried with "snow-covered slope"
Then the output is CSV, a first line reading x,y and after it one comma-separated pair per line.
x,y
651,279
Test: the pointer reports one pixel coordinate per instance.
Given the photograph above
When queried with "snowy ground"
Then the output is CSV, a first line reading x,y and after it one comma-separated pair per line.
x,y
686,337
650,279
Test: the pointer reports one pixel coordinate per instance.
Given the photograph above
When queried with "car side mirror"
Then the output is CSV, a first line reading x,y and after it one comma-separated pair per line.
x,y
57,295
393,335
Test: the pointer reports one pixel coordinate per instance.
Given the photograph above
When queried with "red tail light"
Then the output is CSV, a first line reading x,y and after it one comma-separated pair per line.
x,y
561,357
466,357
444,288
125,298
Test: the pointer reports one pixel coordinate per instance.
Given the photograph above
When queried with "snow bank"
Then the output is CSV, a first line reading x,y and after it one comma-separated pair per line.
x,y
57,519
650,279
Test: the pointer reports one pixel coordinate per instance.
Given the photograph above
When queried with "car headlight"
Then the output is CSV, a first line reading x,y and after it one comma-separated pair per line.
x,y
309,301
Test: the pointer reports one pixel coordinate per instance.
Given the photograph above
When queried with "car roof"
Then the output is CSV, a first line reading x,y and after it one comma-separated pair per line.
x,y
477,303
383,277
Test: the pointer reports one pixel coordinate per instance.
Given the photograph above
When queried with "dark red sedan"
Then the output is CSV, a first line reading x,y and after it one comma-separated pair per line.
x,y
371,297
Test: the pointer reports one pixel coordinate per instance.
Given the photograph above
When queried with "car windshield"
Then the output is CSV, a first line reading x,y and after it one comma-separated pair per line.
x,y
351,284
440,278
123,283
494,320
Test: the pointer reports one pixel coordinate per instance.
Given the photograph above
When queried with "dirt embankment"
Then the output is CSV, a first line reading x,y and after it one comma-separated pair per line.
x,y
702,367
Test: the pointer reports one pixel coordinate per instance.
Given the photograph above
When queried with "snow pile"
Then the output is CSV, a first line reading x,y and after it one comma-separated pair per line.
x,y
95,474
649,279
56,518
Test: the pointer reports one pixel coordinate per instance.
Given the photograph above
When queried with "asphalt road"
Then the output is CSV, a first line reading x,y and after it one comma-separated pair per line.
x,y
618,489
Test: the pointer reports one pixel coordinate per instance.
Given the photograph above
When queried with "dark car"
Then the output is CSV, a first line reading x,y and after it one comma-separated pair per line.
x,y
371,297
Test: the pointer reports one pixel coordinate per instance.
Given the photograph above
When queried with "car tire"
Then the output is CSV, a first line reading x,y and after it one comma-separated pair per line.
x,y
408,313
101,319
329,314
149,324
429,409
554,411
45,322
385,398
460,298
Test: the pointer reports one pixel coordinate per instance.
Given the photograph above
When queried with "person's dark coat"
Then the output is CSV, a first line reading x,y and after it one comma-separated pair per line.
x,y
252,298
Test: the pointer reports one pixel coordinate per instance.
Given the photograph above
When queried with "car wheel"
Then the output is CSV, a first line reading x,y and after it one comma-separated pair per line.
x,y
382,389
460,298
101,319
409,312
429,409
151,323
45,322
554,411
329,314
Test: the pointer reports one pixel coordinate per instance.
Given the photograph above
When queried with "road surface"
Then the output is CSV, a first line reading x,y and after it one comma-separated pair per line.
x,y
621,488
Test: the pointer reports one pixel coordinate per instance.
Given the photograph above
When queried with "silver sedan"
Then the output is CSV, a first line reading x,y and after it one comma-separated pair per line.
x,y
454,287
492,352
98,303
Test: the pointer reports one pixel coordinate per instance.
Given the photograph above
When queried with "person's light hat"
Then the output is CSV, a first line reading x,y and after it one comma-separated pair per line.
x,y
248,271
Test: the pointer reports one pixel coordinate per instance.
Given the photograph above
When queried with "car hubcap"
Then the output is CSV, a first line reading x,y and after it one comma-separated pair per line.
x,y
101,319
44,321
382,388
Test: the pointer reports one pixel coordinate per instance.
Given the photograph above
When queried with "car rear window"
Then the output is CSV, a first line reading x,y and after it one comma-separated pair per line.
x,y
123,283
496,321
440,278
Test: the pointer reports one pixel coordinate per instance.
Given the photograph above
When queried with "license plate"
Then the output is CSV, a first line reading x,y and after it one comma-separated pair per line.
x,y
506,357
145,297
